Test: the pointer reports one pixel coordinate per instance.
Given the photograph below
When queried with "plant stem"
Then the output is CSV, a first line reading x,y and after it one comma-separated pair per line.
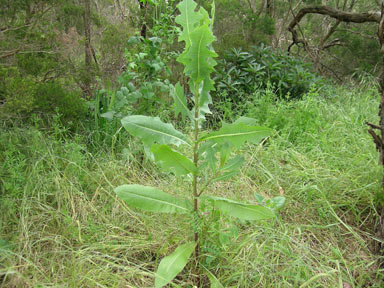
x,y
195,188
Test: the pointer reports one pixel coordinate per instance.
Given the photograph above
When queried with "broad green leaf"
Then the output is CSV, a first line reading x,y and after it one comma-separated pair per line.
x,y
181,102
151,199
172,161
173,264
152,130
237,134
240,210
189,19
198,59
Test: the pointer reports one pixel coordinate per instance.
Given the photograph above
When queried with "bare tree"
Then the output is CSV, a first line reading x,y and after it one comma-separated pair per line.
x,y
353,17
378,138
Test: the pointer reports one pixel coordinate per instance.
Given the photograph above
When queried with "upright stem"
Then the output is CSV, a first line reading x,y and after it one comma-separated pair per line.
x,y
194,184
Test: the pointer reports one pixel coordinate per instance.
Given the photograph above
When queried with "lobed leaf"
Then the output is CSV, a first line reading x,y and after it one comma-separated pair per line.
x,y
198,59
189,19
152,130
151,199
172,161
173,264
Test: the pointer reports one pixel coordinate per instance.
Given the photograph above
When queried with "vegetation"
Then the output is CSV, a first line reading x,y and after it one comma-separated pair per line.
x,y
257,155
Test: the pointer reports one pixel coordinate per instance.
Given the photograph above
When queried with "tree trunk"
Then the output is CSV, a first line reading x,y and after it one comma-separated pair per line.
x,y
380,144
88,49
270,8
144,11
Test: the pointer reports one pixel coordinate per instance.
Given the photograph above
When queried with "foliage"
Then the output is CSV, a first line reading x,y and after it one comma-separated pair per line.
x,y
241,72
53,97
244,28
22,95
16,91
160,138
144,89
287,117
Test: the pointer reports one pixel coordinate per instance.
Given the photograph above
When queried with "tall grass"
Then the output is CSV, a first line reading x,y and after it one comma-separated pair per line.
x,y
63,226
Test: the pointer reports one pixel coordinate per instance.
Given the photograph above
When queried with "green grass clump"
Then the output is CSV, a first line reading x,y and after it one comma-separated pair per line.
x,y
61,225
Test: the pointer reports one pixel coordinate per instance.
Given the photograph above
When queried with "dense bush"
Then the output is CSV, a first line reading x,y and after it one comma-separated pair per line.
x,y
52,96
241,72
22,95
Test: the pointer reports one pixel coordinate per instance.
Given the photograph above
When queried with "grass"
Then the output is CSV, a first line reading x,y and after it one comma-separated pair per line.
x,y
63,226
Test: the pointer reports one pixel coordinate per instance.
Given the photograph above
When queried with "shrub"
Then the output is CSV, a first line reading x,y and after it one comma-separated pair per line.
x,y
23,95
241,72
52,96
16,91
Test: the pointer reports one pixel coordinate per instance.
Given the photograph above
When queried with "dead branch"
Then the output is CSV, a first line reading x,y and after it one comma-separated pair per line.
x,y
373,126
9,53
343,16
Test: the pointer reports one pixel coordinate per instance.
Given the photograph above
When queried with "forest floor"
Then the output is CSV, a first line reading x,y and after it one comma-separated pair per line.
x,y
62,226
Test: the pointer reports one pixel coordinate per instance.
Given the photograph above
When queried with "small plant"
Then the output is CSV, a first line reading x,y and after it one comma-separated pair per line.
x,y
210,153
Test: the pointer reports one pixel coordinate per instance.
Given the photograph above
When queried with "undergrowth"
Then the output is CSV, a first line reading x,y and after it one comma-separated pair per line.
x,y
56,231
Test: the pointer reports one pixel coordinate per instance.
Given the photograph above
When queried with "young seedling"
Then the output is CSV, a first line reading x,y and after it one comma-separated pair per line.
x,y
203,165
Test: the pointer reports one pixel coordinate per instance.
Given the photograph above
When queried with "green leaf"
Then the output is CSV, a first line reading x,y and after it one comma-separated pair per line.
x,y
189,19
237,134
240,210
151,199
181,103
172,161
152,130
198,59
173,264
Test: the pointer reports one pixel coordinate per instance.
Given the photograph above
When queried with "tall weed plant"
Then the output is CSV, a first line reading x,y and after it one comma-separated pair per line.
x,y
201,158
